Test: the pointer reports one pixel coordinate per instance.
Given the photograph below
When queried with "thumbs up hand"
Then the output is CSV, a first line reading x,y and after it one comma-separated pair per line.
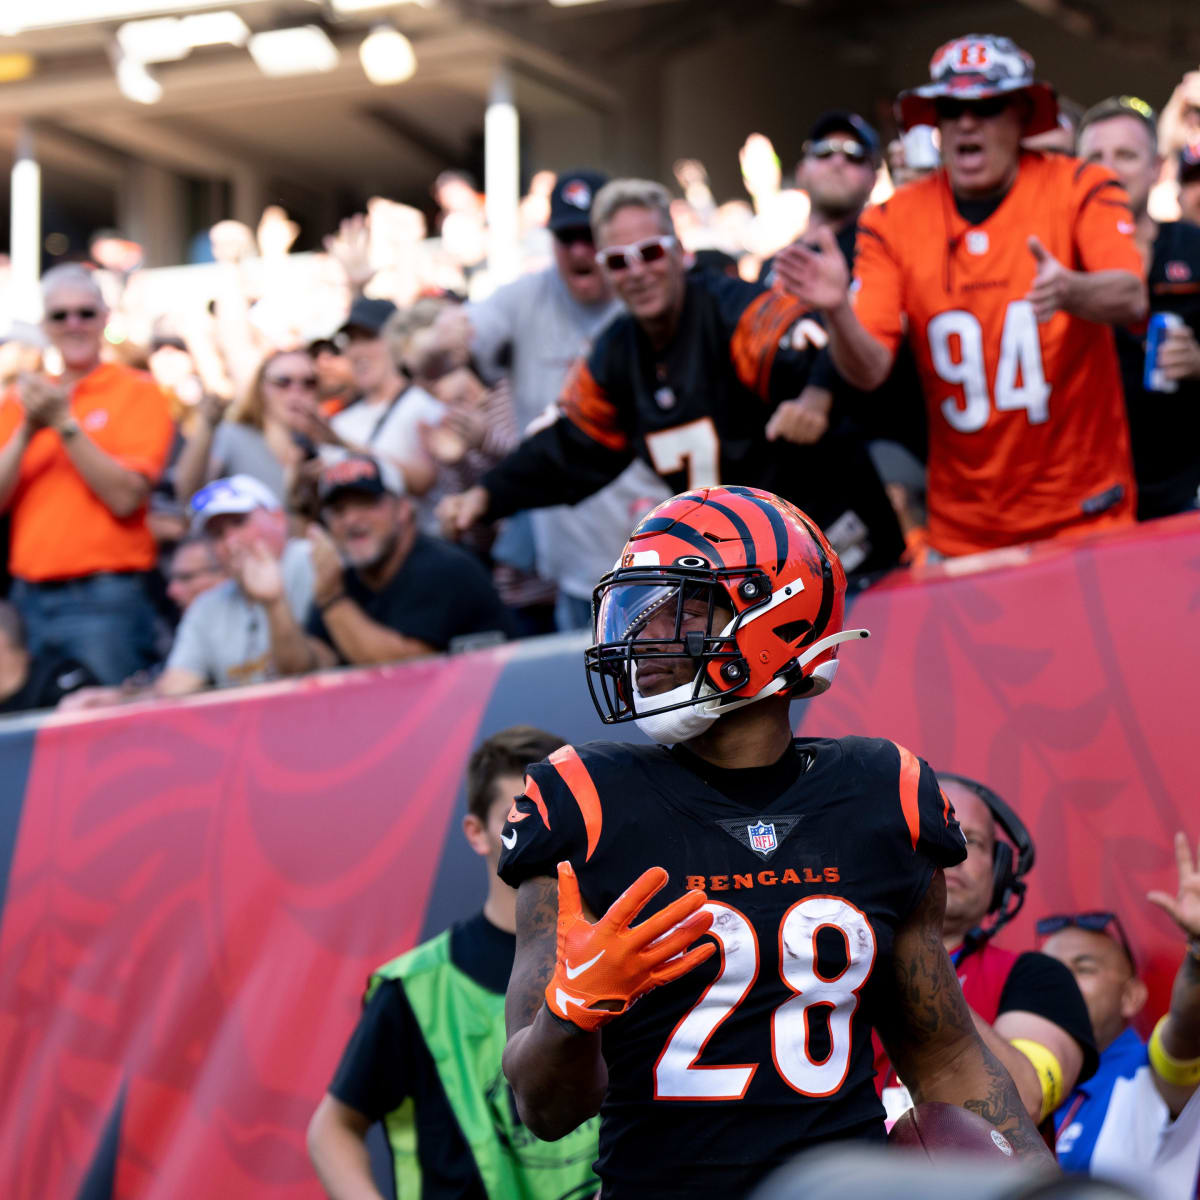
x,y
1051,289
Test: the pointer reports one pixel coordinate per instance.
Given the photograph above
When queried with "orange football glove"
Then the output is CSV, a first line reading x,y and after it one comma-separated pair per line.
x,y
603,968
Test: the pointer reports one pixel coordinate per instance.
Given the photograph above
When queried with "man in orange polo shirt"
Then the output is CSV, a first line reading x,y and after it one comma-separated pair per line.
x,y
1004,271
78,456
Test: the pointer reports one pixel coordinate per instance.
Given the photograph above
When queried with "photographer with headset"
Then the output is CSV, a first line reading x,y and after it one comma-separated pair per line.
x,y
1027,1007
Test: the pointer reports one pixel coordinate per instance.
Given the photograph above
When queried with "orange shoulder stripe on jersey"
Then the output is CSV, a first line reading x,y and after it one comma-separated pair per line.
x,y
534,793
579,783
586,405
945,806
910,779
756,338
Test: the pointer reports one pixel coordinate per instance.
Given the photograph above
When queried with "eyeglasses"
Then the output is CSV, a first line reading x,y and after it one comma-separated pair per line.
x,y
59,316
848,148
621,258
573,235
307,382
949,109
1092,922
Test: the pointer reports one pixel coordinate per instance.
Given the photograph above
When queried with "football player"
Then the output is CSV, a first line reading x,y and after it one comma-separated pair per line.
x,y
790,891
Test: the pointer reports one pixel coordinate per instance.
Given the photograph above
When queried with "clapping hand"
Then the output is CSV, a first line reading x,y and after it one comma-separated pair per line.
x,y
257,572
46,403
327,565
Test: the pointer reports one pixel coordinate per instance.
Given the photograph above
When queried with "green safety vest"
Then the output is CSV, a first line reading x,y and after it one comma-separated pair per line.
x,y
463,1026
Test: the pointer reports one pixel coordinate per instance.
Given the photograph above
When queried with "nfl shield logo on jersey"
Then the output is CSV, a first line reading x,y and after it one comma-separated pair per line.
x,y
762,837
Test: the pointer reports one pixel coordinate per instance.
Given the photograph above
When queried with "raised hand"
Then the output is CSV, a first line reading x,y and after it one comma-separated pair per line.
x,y
814,271
276,232
1184,907
601,969
1051,288
258,572
350,247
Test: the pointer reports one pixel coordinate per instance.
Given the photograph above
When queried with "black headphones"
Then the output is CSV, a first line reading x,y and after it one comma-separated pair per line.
x,y
1008,880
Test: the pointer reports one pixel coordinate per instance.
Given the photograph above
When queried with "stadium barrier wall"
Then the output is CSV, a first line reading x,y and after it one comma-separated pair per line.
x,y
193,893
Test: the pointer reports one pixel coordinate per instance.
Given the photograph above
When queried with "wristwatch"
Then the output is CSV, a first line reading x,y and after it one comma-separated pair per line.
x,y
68,429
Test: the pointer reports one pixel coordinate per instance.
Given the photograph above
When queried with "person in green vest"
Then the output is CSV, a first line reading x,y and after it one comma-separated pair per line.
x,y
424,1058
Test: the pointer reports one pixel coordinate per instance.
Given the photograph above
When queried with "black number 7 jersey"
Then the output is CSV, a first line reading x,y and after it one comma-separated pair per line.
x,y
765,1048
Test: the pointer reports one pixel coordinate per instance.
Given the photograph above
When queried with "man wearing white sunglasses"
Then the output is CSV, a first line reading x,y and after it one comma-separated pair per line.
x,y
687,381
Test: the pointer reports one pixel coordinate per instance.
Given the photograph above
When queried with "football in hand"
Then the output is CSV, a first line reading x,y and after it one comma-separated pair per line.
x,y
946,1129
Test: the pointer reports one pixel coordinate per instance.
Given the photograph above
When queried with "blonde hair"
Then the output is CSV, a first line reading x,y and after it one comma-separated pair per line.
x,y
631,193
403,326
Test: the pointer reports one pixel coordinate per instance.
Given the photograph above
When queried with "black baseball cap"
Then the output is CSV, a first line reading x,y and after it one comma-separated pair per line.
x,y
571,200
359,473
371,315
1189,163
840,120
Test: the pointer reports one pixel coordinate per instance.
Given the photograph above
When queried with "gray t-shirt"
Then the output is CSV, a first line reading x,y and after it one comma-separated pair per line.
x,y
548,329
224,638
242,450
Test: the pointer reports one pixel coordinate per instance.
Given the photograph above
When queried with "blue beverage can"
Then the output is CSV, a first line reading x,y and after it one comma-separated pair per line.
x,y
1152,376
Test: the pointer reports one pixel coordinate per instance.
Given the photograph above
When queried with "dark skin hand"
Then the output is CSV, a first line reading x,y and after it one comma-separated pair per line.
x,y
932,1040
562,1074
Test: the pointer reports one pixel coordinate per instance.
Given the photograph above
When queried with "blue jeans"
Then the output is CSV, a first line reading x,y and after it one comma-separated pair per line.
x,y
105,621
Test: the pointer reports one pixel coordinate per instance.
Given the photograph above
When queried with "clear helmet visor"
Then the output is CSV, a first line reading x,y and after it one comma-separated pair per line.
x,y
626,609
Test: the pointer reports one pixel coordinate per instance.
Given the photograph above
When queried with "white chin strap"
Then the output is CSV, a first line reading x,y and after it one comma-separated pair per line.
x,y
683,724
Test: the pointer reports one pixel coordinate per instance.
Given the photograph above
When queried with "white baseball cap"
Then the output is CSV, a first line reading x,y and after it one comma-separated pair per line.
x,y
234,494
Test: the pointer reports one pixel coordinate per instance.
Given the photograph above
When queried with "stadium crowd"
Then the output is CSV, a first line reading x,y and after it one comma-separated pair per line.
x,y
947,403
936,347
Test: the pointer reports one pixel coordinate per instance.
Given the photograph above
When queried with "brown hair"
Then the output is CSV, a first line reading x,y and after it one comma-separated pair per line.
x,y
508,752
250,409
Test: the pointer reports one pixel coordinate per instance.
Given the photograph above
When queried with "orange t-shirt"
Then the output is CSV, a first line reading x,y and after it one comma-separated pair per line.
x,y
60,529
1028,436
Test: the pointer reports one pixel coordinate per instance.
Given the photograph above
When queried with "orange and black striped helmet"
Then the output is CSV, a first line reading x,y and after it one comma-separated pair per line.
x,y
722,596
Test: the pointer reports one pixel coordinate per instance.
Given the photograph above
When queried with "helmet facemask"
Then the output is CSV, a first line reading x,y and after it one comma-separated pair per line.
x,y
650,624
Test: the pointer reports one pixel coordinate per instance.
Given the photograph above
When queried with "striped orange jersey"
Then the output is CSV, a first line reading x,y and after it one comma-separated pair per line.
x,y
1027,430
810,866
696,411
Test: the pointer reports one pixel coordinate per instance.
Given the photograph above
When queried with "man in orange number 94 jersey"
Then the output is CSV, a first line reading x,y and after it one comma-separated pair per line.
x,y
1003,269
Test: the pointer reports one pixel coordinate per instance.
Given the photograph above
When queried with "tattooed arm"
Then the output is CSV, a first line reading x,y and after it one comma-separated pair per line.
x,y
556,1070
932,1040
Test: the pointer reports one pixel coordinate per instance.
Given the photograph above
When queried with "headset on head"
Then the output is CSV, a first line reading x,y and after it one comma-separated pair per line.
x,y
1008,877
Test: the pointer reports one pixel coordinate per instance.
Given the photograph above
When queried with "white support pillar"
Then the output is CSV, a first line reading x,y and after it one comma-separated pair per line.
x,y
502,178
25,230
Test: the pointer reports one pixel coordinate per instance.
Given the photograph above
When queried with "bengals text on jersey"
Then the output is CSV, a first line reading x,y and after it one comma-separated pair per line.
x,y
718,1077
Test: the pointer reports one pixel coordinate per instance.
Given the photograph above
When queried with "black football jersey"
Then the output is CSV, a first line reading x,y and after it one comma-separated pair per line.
x,y
696,413
764,1049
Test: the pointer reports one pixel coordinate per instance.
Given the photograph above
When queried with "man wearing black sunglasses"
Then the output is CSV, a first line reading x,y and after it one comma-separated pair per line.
x,y
1138,1117
79,454
1002,271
